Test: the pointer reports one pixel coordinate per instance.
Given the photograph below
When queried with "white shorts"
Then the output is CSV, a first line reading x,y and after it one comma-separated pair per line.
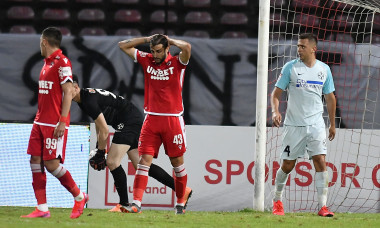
x,y
304,141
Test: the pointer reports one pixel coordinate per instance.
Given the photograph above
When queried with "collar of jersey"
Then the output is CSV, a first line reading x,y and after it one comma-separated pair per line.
x,y
54,55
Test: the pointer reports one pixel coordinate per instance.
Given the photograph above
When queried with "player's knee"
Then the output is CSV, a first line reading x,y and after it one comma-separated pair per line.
x,y
35,159
177,161
287,166
112,164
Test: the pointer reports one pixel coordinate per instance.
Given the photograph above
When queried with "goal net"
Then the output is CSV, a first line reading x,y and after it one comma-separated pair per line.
x,y
349,42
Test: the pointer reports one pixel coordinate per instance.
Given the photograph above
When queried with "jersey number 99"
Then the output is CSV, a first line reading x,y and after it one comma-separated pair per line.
x,y
51,143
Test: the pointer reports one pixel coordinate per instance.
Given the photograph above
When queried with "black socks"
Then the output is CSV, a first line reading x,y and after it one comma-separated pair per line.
x,y
161,175
121,184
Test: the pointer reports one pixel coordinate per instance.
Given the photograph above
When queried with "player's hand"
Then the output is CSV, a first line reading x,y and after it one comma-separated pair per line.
x,y
98,161
276,119
170,41
332,132
149,38
59,131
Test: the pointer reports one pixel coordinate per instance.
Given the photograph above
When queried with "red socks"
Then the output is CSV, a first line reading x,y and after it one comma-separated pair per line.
x,y
180,181
39,183
64,176
141,181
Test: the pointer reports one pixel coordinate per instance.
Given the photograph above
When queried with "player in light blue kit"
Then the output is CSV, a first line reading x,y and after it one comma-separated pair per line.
x,y
305,79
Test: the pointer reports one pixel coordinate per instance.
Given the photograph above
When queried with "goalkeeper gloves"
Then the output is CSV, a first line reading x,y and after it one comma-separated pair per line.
x,y
98,161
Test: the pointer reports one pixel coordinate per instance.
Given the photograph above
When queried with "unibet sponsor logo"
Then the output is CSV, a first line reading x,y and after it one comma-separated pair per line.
x,y
158,74
45,86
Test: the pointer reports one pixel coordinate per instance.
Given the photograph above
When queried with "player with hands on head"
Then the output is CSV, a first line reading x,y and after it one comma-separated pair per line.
x,y
164,76
48,138
106,108
306,79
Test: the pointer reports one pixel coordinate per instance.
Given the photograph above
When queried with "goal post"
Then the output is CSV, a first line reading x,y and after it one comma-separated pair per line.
x,y
348,34
261,103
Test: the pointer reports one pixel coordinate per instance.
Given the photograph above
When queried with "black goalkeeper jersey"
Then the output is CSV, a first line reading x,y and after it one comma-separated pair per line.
x,y
116,109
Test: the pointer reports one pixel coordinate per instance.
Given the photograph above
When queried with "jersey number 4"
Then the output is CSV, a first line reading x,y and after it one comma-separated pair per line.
x,y
178,139
287,150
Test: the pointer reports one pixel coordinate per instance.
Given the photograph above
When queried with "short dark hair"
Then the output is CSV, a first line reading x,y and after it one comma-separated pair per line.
x,y
310,36
53,36
75,79
159,39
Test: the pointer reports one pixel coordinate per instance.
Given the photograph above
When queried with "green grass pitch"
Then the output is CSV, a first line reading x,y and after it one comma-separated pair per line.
x,y
91,218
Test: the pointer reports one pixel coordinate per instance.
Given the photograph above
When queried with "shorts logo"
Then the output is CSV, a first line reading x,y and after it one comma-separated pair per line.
x,y
139,143
180,147
120,126
50,151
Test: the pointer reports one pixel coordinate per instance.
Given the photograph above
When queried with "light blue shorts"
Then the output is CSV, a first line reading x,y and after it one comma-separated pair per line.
x,y
304,141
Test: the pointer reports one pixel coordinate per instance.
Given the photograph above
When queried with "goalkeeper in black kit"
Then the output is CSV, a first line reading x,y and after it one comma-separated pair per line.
x,y
106,108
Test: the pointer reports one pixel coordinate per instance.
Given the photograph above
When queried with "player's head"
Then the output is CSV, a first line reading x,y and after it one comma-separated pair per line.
x,y
159,47
76,95
307,46
50,38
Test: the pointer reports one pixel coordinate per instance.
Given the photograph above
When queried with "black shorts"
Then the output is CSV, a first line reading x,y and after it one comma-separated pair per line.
x,y
128,126
129,136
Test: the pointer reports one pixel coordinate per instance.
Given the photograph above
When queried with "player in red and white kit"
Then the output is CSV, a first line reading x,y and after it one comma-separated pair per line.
x,y
48,138
163,124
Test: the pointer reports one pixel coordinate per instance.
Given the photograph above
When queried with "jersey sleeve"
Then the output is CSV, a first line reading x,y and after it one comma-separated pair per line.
x,y
328,87
64,71
180,61
284,78
91,106
141,57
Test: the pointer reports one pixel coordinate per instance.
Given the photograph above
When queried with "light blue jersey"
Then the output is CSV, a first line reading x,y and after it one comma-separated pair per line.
x,y
305,87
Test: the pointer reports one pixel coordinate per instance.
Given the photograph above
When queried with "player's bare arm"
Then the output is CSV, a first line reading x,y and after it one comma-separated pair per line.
x,y
103,131
67,90
128,46
331,108
275,102
185,47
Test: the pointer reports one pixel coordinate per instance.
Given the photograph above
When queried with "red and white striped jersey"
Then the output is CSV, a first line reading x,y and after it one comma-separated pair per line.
x,y
56,71
163,84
